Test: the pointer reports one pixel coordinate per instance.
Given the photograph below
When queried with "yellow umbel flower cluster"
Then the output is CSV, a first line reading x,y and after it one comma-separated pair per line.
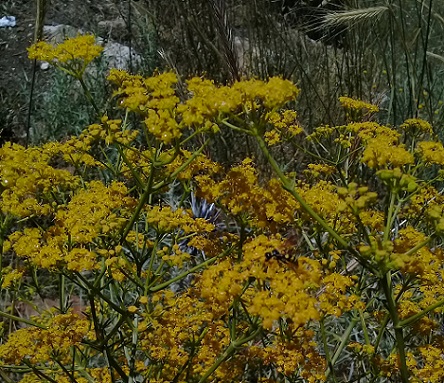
x,y
29,184
431,152
52,344
284,124
418,125
239,191
73,55
93,212
166,117
354,105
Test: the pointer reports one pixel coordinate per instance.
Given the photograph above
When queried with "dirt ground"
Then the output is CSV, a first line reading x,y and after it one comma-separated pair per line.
x,y
16,68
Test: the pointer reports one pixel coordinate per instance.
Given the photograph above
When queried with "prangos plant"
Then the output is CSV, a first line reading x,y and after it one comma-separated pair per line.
x,y
330,272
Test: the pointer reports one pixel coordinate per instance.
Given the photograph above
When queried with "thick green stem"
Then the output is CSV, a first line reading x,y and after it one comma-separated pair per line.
x,y
390,216
386,283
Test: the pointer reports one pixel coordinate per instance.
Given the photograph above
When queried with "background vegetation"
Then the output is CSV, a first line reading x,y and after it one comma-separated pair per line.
x,y
384,52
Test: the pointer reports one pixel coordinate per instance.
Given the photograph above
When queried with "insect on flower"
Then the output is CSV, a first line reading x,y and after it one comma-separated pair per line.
x,y
286,253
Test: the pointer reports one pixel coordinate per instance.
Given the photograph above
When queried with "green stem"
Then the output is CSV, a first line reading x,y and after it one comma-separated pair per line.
x,y
62,297
228,352
192,270
364,328
123,156
23,320
416,317
388,224
326,350
88,94
182,167
151,189
190,137
342,345
5,377
97,292
399,336
236,128
14,369
290,187
102,344
143,199
420,245
131,352
130,166
39,372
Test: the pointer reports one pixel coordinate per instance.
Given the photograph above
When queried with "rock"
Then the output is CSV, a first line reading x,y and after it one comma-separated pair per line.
x,y
44,65
7,21
113,29
118,55
56,34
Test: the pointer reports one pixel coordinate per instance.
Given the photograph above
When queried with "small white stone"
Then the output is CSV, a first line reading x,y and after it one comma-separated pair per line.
x,y
44,65
7,21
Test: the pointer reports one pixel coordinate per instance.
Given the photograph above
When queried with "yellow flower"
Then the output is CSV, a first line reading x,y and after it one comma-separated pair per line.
x,y
323,198
431,152
29,183
320,169
369,130
10,276
380,152
37,345
167,220
285,122
73,54
416,124
273,94
357,105
163,125
132,309
272,137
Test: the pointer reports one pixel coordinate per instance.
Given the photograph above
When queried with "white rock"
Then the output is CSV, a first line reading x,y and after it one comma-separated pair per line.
x,y
56,34
44,65
118,55
7,21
